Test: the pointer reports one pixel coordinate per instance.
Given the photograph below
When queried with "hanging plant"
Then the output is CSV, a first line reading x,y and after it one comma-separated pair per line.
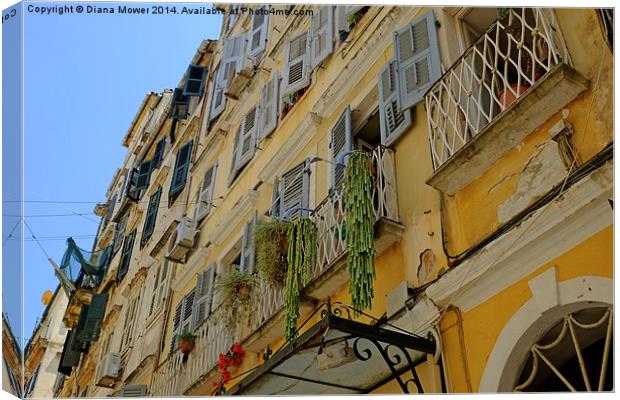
x,y
235,289
300,257
271,244
359,224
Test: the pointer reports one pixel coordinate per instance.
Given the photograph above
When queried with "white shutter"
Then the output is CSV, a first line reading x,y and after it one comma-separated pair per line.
x,y
350,10
204,198
322,34
394,121
340,143
247,246
218,99
417,54
188,308
176,325
232,57
269,107
233,163
247,139
295,191
297,73
204,294
257,36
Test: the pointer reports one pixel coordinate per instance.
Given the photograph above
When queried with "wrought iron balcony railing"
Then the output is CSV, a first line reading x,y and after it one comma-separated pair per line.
x,y
177,375
501,66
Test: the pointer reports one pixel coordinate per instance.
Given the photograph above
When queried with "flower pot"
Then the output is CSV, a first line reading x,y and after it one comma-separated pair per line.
x,y
507,97
186,346
243,291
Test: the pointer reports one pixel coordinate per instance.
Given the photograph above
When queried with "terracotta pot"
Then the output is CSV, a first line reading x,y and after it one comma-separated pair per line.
x,y
506,97
243,292
186,346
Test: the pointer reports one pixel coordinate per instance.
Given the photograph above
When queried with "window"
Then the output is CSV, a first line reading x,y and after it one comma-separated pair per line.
x,y
180,104
218,99
247,139
94,317
105,346
151,217
120,232
69,357
247,246
182,318
204,197
293,195
257,41
417,55
110,211
159,287
132,191
268,118
181,167
322,34
144,175
204,295
126,255
159,154
195,80
394,121
340,144
296,71
130,321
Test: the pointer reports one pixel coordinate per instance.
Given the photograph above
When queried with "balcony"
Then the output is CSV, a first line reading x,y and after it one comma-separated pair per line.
x,y
511,80
193,376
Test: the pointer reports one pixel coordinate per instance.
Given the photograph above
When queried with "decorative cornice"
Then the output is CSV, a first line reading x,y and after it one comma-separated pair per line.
x,y
195,263
234,217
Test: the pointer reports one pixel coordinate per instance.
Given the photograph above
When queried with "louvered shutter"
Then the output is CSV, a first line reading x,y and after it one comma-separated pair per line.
x,y
218,100
176,328
393,121
188,308
257,36
341,19
151,217
232,57
351,10
233,164
204,295
126,256
133,390
79,344
205,194
247,246
144,173
247,140
159,154
132,191
275,199
95,315
417,54
120,233
297,73
269,107
340,144
295,191
110,211
195,80
180,105
322,34
181,167
68,358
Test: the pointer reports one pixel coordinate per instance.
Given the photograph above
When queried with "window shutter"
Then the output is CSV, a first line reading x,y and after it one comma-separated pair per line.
x,y
120,233
393,121
297,73
195,80
188,308
257,40
247,246
111,205
232,57
78,340
341,143
132,185
68,358
126,256
176,329
159,154
95,315
269,107
151,217
351,10
295,190
144,173
218,100
180,105
233,163
205,194
204,294
322,34
417,54
133,390
275,199
181,167
247,140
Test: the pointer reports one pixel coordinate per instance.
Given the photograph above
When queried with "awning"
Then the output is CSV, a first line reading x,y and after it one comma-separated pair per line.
x,y
366,357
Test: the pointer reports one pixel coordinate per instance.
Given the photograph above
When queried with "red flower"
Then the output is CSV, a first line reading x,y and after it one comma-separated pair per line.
x,y
221,362
215,384
226,375
237,348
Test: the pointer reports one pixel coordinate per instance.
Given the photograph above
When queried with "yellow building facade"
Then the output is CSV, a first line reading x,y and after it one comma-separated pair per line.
x,y
490,139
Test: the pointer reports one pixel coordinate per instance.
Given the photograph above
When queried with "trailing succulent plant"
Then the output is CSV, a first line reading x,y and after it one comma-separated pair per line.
x,y
300,257
271,244
359,224
235,289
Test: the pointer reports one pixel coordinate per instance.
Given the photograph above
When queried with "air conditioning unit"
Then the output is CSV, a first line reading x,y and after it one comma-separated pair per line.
x,y
108,370
181,241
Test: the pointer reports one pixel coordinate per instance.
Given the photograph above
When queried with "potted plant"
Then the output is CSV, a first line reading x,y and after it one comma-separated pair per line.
x,y
271,244
342,34
235,289
352,19
285,108
226,364
187,341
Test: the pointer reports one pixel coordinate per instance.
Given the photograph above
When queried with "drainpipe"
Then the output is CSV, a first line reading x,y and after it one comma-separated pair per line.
x,y
462,349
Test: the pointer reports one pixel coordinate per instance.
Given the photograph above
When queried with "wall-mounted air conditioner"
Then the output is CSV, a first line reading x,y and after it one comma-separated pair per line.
x,y
108,370
181,241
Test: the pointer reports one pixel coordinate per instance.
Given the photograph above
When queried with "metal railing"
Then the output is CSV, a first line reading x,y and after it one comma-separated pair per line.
x,y
175,376
502,65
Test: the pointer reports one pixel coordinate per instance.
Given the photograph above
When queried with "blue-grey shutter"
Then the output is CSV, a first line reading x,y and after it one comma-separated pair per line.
x,y
257,35
133,193
340,144
79,344
144,174
69,358
204,295
151,217
119,234
296,70
394,121
295,191
96,312
133,390
417,54
247,246
159,154
181,167
180,105
126,255
247,140
268,120
321,34
195,80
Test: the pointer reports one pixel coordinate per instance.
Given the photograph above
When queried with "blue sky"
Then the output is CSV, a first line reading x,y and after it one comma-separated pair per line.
x,y
84,79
